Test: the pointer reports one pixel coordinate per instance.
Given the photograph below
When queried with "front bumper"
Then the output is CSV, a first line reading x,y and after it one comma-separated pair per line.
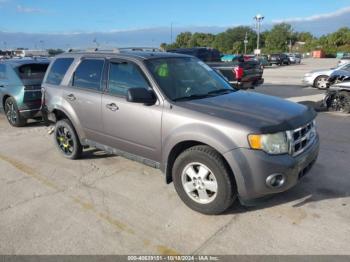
x,y
308,81
251,169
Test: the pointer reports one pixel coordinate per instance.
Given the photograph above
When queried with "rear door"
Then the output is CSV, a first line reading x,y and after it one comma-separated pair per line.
x,y
130,127
84,94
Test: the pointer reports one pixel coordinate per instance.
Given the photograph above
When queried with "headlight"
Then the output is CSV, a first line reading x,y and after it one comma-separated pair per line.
x,y
308,75
274,144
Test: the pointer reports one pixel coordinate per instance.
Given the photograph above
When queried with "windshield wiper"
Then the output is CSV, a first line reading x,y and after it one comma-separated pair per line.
x,y
221,91
184,98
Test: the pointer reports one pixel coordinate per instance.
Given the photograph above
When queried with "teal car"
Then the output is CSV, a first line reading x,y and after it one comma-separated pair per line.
x,y
20,88
229,58
263,60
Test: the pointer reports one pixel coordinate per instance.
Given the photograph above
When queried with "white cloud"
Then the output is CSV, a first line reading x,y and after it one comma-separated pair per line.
x,y
313,18
23,9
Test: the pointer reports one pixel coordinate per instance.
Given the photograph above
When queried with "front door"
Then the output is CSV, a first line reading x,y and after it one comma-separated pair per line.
x,y
131,127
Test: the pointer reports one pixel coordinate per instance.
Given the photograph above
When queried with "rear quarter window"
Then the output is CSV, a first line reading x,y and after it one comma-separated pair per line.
x,y
58,70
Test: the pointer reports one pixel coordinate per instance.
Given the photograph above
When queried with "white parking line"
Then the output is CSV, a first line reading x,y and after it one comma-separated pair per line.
x,y
313,98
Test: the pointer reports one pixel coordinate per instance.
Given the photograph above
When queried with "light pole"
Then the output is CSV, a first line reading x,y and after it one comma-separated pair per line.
x,y
245,43
171,33
258,18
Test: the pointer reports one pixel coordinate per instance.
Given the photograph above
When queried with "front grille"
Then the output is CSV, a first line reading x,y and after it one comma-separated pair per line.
x,y
301,138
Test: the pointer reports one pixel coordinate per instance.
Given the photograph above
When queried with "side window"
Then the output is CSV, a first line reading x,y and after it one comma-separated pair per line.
x,y
89,74
123,76
58,70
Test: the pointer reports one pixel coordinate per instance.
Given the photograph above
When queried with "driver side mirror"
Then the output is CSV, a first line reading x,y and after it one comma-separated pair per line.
x,y
141,95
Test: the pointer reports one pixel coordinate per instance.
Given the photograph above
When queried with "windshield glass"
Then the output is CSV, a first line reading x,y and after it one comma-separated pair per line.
x,y
183,78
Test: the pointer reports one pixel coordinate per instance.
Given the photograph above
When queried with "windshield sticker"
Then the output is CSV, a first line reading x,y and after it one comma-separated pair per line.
x,y
208,68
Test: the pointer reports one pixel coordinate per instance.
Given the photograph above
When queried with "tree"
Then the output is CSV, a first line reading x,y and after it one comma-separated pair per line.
x,y
183,39
278,39
231,41
201,40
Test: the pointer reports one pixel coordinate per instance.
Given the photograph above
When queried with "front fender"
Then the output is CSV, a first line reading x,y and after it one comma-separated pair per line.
x,y
201,133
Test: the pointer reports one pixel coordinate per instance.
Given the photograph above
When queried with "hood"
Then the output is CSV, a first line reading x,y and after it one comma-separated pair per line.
x,y
323,71
263,113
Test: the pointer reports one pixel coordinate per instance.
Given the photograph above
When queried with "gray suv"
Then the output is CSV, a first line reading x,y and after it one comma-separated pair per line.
x,y
173,112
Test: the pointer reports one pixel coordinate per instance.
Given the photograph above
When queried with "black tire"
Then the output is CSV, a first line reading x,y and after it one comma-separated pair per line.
x,y
12,113
226,189
66,140
319,82
339,102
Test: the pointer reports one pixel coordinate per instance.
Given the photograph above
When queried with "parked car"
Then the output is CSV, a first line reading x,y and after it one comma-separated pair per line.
x,y
20,88
338,97
319,78
294,58
230,58
279,59
344,60
240,73
174,112
263,60
203,53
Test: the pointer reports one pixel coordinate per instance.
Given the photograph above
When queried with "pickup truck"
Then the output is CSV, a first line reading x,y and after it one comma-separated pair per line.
x,y
241,74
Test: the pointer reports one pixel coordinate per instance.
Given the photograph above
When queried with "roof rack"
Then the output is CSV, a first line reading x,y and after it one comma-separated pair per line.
x,y
116,50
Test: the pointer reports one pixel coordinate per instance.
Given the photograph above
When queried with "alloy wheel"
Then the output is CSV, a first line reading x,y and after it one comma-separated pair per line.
x,y
11,112
338,103
322,83
199,183
65,140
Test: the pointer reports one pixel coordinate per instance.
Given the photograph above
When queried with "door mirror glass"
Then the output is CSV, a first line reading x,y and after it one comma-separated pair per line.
x,y
141,95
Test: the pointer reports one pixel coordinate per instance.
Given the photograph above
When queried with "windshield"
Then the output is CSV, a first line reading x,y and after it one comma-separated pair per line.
x,y
186,78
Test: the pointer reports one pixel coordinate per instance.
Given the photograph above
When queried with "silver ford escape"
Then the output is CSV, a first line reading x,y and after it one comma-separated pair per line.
x,y
174,112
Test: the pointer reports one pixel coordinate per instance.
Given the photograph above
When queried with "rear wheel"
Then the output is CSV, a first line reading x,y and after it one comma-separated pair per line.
x,y
203,181
12,113
321,82
66,139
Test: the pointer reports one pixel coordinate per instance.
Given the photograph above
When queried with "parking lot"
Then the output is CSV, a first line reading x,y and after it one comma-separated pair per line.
x,y
105,204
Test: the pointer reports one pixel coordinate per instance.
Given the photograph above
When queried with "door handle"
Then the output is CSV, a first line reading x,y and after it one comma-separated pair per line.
x,y
71,97
113,107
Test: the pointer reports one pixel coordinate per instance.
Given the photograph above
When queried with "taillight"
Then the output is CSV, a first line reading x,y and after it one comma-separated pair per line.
x,y
239,72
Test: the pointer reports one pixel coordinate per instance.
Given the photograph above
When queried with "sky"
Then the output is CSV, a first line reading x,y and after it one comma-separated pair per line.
x,y
68,17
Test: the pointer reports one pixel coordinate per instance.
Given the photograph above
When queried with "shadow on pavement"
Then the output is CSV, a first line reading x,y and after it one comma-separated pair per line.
x,y
93,153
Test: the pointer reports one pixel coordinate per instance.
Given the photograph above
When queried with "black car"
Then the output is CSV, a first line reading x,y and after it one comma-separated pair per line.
x,y
203,53
279,59
241,74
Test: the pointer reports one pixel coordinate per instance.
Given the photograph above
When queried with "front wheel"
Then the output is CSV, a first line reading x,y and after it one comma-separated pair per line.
x,y
66,139
203,180
321,82
12,113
